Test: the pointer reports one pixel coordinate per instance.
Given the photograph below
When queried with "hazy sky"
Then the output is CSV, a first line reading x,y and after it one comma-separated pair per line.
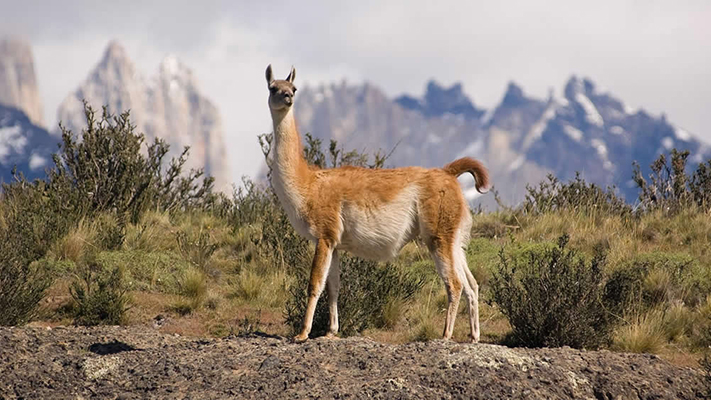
x,y
651,54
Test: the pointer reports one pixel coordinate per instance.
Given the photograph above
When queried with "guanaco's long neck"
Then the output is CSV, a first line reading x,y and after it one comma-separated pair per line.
x,y
289,168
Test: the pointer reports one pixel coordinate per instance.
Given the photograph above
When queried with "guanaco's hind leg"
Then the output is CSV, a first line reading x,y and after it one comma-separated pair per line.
x,y
453,283
471,292
333,284
319,274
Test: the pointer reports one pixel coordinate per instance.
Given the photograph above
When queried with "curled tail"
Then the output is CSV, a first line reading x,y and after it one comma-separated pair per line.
x,y
474,167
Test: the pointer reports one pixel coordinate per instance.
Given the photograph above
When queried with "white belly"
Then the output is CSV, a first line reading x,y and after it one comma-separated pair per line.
x,y
380,233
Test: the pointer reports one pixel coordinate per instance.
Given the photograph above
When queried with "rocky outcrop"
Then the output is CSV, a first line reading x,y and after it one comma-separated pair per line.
x,y
139,362
168,106
18,83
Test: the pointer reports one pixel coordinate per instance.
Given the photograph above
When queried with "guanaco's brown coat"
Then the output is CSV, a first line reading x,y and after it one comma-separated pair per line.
x,y
371,213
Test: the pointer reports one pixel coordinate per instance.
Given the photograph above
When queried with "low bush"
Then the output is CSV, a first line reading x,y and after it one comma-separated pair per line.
x,y
552,296
366,290
670,188
576,195
28,230
651,279
100,294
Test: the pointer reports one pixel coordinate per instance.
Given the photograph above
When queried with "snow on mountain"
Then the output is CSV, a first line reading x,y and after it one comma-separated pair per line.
x,y
23,145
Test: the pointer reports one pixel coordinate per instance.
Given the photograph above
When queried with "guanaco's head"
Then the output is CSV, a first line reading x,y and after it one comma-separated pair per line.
x,y
281,92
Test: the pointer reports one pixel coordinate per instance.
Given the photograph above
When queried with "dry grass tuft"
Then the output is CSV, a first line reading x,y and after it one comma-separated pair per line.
x,y
644,334
77,243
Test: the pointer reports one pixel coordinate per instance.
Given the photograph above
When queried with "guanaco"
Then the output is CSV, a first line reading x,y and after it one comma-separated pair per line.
x,y
371,213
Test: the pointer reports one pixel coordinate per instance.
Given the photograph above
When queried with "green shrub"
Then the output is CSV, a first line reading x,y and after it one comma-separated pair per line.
x,y
576,195
250,324
366,290
250,285
651,279
100,294
22,286
552,297
670,188
28,229
106,170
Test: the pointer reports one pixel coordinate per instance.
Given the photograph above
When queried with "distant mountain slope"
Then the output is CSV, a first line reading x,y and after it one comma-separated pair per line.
x,y
590,132
521,139
23,145
168,106
18,83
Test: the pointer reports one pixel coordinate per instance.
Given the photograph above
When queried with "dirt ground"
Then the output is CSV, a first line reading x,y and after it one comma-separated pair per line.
x,y
138,362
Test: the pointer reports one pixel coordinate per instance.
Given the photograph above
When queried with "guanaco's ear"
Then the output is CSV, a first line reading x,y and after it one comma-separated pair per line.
x,y
269,75
292,75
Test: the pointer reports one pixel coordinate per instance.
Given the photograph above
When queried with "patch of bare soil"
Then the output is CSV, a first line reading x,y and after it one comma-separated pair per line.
x,y
139,362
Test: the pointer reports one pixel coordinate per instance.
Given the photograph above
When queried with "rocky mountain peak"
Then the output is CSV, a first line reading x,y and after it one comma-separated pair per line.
x,y
116,66
18,82
172,67
169,106
514,96
115,53
440,100
573,87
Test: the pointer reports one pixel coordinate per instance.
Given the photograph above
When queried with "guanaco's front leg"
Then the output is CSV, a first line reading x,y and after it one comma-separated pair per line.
x,y
319,274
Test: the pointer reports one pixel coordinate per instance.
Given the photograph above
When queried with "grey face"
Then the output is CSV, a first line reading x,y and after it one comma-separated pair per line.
x,y
281,92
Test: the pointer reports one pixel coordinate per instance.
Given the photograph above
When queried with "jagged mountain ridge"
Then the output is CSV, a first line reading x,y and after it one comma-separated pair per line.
x,y
169,106
18,82
23,145
521,139
590,132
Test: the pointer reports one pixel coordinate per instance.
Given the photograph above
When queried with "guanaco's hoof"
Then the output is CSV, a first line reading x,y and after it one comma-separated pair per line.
x,y
301,338
331,336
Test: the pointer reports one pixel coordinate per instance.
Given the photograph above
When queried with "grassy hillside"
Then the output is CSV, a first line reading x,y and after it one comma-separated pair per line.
x,y
116,235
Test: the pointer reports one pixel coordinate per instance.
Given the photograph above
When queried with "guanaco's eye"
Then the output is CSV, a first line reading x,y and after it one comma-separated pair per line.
x,y
272,89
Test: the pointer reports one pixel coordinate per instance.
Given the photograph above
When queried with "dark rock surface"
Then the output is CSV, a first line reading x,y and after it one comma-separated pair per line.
x,y
139,362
